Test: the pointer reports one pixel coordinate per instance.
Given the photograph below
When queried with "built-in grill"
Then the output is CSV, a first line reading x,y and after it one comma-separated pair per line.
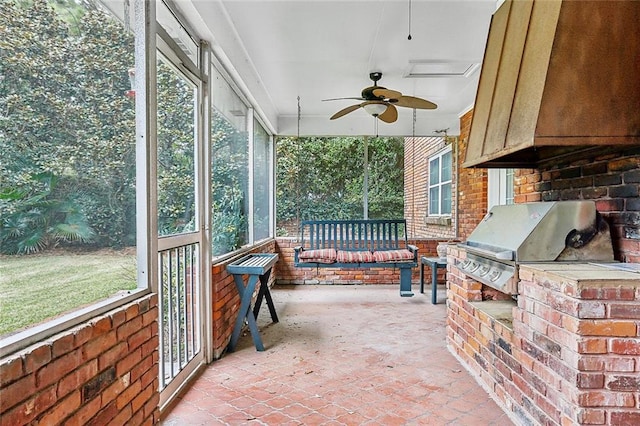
x,y
533,232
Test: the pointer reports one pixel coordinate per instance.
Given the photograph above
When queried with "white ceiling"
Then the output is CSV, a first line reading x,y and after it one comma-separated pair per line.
x,y
282,49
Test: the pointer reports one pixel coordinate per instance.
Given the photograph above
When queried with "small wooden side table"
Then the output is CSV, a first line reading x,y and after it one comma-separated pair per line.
x,y
258,267
434,263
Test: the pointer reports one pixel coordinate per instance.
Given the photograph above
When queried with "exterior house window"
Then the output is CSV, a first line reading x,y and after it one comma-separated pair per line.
x,y
508,198
440,183
500,189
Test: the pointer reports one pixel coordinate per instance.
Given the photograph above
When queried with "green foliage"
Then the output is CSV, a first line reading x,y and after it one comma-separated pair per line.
x,y
64,112
176,161
229,186
386,178
34,220
323,178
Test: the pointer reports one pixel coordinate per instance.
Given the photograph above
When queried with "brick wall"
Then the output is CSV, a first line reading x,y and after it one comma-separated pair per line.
x,y
579,339
472,184
612,179
566,354
287,273
101,372
226,300
416,189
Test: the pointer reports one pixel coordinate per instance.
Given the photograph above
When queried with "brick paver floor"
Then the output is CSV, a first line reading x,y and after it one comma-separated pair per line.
x,y
341,355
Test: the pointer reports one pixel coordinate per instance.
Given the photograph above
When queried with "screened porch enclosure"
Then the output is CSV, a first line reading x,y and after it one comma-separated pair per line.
x,y
134,135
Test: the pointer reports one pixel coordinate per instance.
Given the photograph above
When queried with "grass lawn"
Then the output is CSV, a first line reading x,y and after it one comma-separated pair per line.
x,y
39,287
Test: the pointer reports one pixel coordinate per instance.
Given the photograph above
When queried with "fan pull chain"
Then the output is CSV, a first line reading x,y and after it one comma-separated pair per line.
x,y
413,174
409,37
413,130
297,183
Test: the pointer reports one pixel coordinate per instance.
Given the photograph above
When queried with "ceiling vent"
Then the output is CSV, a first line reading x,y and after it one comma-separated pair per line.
x,y
427,68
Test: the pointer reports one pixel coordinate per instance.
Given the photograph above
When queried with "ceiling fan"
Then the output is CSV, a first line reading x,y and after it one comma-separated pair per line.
x,y
381,102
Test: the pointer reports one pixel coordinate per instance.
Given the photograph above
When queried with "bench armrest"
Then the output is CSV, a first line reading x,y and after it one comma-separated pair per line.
x,y
413,250
296,253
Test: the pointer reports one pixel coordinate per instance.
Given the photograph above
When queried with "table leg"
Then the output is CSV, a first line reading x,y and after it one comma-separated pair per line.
x,y
246,293
266,293
434,283
421,277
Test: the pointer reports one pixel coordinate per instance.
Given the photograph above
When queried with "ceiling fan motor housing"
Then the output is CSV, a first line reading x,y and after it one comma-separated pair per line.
x,y
367,93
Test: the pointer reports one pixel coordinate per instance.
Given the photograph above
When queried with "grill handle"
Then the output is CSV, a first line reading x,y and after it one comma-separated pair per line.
x,y
500,255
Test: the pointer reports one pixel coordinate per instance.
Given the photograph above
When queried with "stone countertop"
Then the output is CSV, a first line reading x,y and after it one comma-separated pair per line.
x,y
583,273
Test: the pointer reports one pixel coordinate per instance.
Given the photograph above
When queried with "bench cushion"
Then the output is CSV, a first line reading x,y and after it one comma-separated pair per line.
x,y
393,255
345,256
318,256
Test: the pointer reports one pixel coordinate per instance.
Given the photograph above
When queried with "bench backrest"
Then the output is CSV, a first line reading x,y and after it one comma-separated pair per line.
x,y
356,234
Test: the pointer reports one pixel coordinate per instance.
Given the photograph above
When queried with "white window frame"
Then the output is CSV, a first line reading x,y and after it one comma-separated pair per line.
x,y
252,114
498,192
440,183
144,32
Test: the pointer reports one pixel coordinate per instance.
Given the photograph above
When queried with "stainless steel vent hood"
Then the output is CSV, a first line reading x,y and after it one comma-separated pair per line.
x,y
557,77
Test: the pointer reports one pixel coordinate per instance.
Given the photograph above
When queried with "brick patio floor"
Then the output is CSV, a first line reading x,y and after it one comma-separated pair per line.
x,y
341,355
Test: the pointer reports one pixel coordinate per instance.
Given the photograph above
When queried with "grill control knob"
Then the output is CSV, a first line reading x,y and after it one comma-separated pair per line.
x,y
495,275
484,270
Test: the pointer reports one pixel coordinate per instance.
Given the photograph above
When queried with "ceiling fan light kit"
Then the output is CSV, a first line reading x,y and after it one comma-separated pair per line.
x,y
375,109
381,102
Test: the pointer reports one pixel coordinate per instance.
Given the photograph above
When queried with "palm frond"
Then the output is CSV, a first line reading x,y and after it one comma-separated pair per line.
x,y
33,243
81,232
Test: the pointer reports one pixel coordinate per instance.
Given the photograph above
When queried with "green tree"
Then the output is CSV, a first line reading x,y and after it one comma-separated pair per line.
x,y
176,163
323,178
386,178
229,186
64,113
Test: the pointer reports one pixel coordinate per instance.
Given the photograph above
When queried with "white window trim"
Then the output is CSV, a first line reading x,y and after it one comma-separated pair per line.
x,y
497,188
145,48
252,114
439,154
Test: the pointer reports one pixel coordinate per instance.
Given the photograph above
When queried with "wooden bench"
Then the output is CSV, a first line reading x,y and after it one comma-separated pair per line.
x,y
358,243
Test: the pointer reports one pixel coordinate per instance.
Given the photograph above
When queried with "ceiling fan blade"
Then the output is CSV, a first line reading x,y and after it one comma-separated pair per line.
x,y
390,115
339,99
417,103
387,93
345,111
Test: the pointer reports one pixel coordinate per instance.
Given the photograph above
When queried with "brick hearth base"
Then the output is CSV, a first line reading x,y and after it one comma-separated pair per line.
x,y
567,353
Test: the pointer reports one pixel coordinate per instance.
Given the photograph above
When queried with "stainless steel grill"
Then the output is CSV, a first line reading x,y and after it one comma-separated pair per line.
x,y
533,232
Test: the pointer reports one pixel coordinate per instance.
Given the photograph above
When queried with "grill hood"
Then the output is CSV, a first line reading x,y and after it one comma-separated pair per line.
x,y
545,231
558,77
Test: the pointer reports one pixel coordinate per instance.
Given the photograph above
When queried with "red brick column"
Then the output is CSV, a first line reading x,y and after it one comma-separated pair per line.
x,y
568,354
579,329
